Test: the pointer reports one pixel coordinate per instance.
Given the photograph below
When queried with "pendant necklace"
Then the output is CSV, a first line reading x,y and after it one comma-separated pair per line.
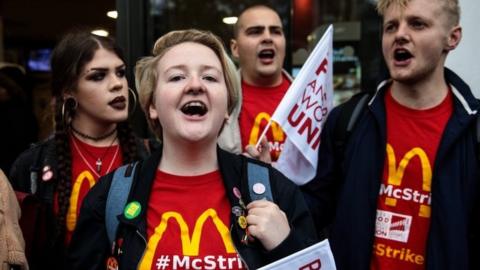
x,y
99,162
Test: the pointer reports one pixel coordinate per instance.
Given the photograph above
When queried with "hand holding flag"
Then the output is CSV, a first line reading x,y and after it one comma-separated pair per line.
x,y
303,111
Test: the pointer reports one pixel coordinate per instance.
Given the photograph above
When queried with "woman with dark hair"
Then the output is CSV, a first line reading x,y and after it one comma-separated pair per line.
x,y
92,137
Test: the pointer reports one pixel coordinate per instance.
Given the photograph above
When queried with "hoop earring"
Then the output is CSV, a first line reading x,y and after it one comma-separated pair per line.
x,y
68,107
134,101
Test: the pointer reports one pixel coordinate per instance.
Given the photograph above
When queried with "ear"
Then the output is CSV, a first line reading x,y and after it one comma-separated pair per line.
x,y
152,112
234,48
69,94
454,38
227,117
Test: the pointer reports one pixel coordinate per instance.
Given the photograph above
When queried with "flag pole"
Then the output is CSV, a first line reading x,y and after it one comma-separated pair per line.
x,y
263,133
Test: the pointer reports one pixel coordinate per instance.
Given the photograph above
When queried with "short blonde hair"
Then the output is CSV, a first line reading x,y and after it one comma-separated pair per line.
x,y
450,6
146,73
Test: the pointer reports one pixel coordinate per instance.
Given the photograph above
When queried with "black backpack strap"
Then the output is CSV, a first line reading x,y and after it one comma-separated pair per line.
x,y
258,182
117,197
350,111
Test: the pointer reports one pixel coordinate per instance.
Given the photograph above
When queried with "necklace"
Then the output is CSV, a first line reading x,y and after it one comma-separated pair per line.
x,y
96,139
99,162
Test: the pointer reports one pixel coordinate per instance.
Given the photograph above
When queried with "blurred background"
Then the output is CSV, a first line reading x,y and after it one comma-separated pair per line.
x,y
29,29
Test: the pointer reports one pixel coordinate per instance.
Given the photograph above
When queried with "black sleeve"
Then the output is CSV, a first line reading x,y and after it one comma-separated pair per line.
x,y
474,235
302,231
322,190
89,247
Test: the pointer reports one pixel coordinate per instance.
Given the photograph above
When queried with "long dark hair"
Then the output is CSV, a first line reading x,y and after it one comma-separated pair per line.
x,y
69,58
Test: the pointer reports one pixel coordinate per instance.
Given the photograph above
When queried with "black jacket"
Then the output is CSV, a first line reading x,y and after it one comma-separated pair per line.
x,y
89,246
348,191
43,252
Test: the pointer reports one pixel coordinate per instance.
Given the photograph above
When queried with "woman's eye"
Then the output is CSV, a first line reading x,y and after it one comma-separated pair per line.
x,y
97,76
175,78
210,78
121,73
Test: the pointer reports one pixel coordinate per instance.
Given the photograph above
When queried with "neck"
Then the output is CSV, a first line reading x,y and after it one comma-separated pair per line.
x,y
188,159
263,81
421,95
96,135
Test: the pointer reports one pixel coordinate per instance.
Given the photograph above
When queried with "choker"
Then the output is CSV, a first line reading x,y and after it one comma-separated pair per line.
x,y
96,139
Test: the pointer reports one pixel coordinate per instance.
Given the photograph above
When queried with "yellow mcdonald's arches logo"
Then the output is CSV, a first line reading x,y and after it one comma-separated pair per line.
x,y
72,209
190,246
277,131
395,174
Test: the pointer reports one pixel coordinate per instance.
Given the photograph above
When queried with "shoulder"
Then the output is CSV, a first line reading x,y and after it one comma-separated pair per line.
x,y
228,160
287,76
37,149
4,188
353,107
31,159
7,197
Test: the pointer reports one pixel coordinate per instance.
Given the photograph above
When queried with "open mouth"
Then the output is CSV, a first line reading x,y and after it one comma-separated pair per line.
x,y
193,108
266,54
402,55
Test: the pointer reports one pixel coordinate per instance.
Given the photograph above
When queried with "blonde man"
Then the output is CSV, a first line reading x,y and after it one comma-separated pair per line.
x,y
405,194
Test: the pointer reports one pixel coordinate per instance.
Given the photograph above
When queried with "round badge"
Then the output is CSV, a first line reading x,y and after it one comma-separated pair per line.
x,y
47,175
242,221
237,193
237,211
112,263
132,210
259,188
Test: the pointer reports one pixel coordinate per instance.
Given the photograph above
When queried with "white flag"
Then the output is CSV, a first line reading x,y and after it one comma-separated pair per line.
x,y
318,256
303,110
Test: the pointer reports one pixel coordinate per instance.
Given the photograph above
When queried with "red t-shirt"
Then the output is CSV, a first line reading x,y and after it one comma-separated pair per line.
x,y
403,207
85,175
259,103
188,224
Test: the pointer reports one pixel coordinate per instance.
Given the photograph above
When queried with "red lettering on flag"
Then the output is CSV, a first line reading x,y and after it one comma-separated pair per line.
x,y
315,265
322,67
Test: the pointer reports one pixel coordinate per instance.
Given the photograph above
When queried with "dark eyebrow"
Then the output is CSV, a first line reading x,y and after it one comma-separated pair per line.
x,y
256,28
97,69
275,27
103,69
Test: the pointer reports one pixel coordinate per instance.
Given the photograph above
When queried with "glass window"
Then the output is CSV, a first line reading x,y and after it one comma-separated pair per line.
x,y
357,48
167,15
